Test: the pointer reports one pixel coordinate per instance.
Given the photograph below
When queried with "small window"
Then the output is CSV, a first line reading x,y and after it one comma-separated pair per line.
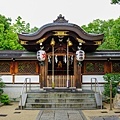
x,y
94,67
5,67
116,67
26,67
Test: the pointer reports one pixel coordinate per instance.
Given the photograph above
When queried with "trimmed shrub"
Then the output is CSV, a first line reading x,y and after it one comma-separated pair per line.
x,y
115,79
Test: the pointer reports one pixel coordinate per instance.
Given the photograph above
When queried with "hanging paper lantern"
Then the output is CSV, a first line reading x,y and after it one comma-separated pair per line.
x,y
80,55
41,55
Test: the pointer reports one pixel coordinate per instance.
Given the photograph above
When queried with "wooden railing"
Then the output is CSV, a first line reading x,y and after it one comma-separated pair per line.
x,y
60,80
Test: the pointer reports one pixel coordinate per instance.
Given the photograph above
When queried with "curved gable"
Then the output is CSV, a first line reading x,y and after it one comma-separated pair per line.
x,y
60,27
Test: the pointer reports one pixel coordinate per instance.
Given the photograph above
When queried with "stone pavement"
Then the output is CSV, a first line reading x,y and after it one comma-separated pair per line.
x,y
102,114
10,112
60,115
105,118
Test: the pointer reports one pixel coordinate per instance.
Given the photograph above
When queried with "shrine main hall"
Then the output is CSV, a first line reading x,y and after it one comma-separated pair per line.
x,y
59,54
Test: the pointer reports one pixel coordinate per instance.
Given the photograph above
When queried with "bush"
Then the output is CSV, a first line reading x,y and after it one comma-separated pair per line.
x,y
115,79
1,86
4,98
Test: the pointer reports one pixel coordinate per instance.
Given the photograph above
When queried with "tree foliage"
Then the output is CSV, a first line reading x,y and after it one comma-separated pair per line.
x,y
20,26
114,79
8,32
115,1
8,38
111,31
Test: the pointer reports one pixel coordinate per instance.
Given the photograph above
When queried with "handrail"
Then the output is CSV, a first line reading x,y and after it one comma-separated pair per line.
x,y
96,85
25,87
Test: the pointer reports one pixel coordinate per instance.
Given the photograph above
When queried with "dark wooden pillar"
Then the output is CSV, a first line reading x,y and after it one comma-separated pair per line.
x,y
79,77
42,75
39,72
79,80
12,71
108,67
75,72
46,72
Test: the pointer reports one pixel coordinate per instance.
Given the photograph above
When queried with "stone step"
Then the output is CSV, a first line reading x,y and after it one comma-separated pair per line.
x,y
59,100
60,95
61,105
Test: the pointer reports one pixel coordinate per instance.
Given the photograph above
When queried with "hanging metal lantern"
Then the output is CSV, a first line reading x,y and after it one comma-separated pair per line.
x,y
41,55
80,55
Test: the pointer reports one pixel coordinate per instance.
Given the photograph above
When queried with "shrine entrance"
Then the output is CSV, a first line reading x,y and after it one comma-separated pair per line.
x,y
59,42
63,71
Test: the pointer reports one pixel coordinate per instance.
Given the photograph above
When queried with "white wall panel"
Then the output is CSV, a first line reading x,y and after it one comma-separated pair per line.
x,y
87,78
6,78
21,78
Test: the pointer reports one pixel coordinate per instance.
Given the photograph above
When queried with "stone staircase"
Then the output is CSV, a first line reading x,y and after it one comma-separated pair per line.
x,y
60,100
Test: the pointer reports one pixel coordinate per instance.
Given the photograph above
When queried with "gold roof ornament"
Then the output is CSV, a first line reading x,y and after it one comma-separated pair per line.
x,y
41,40
23,42
52,43
60,33
69,43
80,40
97,43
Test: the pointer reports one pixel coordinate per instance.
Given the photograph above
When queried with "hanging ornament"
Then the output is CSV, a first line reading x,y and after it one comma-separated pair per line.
x,y
71,59
41,55
49,57
56,60
64,59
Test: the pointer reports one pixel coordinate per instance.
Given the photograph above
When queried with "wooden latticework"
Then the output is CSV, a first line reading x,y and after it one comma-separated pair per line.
x,y
94,67
116,67
26,67
60,80
5,67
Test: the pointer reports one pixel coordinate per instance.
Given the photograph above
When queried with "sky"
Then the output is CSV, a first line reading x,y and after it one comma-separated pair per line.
x,y
41,12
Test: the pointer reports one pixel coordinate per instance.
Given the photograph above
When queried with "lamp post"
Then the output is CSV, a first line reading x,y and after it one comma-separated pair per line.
x,y
41,56
80,55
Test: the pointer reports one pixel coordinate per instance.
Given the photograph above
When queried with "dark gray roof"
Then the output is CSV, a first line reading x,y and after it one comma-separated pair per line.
x,y
22,55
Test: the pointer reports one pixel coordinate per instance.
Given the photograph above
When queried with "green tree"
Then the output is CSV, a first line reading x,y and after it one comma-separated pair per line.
x,y
8,32
34,29
114,79
20,26
115,1
8,38
111,31
115,32
5,21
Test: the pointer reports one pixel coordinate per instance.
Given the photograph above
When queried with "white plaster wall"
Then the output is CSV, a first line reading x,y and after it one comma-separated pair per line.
x,y
21,78
87,78
6,78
